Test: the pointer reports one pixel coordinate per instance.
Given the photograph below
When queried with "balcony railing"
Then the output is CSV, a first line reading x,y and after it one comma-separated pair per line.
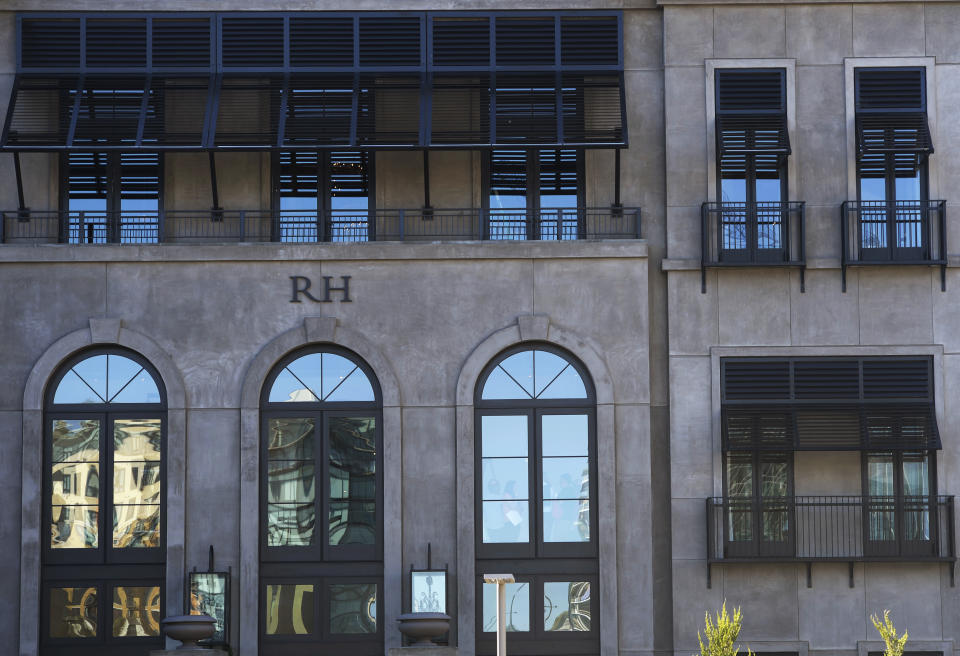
x,y
205,226
752,234
894,232
830,528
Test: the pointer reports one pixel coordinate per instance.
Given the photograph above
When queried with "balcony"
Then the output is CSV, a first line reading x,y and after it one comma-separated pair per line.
x,y
752,234
212,226
830,528
894,232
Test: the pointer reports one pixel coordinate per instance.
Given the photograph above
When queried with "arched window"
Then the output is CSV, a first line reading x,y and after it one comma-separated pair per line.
x,y
536,491
104,491
321,500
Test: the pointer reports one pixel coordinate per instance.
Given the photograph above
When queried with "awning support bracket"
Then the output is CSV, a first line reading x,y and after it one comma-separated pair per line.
x,y
427,207
216,210
23,212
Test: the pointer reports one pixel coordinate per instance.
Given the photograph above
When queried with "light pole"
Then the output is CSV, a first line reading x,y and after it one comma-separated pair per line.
x,y
501,580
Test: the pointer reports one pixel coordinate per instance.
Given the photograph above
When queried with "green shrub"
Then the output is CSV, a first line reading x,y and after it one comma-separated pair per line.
x,y
889,634
721,634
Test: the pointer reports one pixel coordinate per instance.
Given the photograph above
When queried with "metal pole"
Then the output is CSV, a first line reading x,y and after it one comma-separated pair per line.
x,y
501,619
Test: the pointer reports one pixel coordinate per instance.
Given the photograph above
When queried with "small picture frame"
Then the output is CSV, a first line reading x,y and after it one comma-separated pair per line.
x,y
428,591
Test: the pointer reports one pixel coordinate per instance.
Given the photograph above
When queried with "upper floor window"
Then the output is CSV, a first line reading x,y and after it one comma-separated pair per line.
x,y
535,493
893,144
321,499
752,148
103,562
534,193
323,196
111,197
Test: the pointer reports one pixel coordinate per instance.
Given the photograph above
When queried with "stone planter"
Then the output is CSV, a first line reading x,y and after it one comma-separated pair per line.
x,y
422,628
188,629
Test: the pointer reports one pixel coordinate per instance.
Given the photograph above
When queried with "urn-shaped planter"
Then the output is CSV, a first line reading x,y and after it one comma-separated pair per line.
x,y
188,629
422,628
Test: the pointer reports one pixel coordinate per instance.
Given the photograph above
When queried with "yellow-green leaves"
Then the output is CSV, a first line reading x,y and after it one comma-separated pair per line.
x,y
889,634
721,634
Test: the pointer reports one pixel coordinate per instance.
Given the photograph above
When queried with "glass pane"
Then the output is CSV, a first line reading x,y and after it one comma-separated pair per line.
x,y
546,367
504,478
517,607
309,370
73,612
500,386
120,371
93,371
774,522
564,435
353,608
336,369
733,190
136,439
286,388
428,592
773,479
291,481
290,524
72,389
566,606
568,385
136,611
208,596
873,189
74,527
136,482
353,480
503,435
289,609
75,483
506,521
739,478
740,521
142,389
356,387
519,366
298,218
916,477
290,439
907,185
768,191
566,521
880,474
136,526
76,440
566,478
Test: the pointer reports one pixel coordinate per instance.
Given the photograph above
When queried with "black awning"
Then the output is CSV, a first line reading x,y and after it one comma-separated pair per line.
x,y
893,132
304,111
752,133
830,427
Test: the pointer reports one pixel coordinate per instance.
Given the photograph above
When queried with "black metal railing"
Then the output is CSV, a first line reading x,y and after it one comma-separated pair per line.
x,y
894,232
181,226
823,528
752,234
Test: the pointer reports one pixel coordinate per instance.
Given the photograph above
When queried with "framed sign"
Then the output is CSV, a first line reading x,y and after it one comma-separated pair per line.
x,y
209,594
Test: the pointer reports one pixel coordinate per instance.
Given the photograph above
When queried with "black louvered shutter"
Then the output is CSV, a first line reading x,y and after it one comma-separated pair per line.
x,y
324,42
460,110
891,119
526,41
181,43
248,113
40,111
252,42
589,41
87,175
176,112
390,41
349,174
461,42
50,43
751,119
319,111
116,43
109,111
299,173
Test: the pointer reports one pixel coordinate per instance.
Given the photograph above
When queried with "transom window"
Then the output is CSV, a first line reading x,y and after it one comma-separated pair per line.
x,y
104,482
321,499
535,488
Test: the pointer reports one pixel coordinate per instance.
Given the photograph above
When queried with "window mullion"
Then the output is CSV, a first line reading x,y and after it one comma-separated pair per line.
x,y
321,488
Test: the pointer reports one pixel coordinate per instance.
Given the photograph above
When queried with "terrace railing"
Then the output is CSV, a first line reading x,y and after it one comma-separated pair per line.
x,y
207,226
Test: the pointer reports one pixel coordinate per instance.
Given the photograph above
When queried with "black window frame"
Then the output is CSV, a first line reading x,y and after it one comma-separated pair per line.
x,y
533,229
324,227
320,564
113,193
105,567
757,505
537,561
899,505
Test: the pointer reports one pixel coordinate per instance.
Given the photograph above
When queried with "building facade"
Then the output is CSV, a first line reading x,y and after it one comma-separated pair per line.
x,y
647,303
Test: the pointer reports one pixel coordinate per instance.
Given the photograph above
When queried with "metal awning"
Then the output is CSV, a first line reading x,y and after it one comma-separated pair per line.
x,y
830,427
764,134
303,111
893,132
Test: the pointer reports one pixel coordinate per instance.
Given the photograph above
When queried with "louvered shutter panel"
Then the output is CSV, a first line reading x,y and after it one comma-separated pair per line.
x,y
461,42
176,112
40,111
460,110
319,111
590,41
109,111
324,42
87,175
116,43
389,111
248,113
299,173
592,107
252,42
140,176
891,119
349,174
390,41
826,379
181,43
756,379
526,109
751,118
50,43
526,41
508,172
